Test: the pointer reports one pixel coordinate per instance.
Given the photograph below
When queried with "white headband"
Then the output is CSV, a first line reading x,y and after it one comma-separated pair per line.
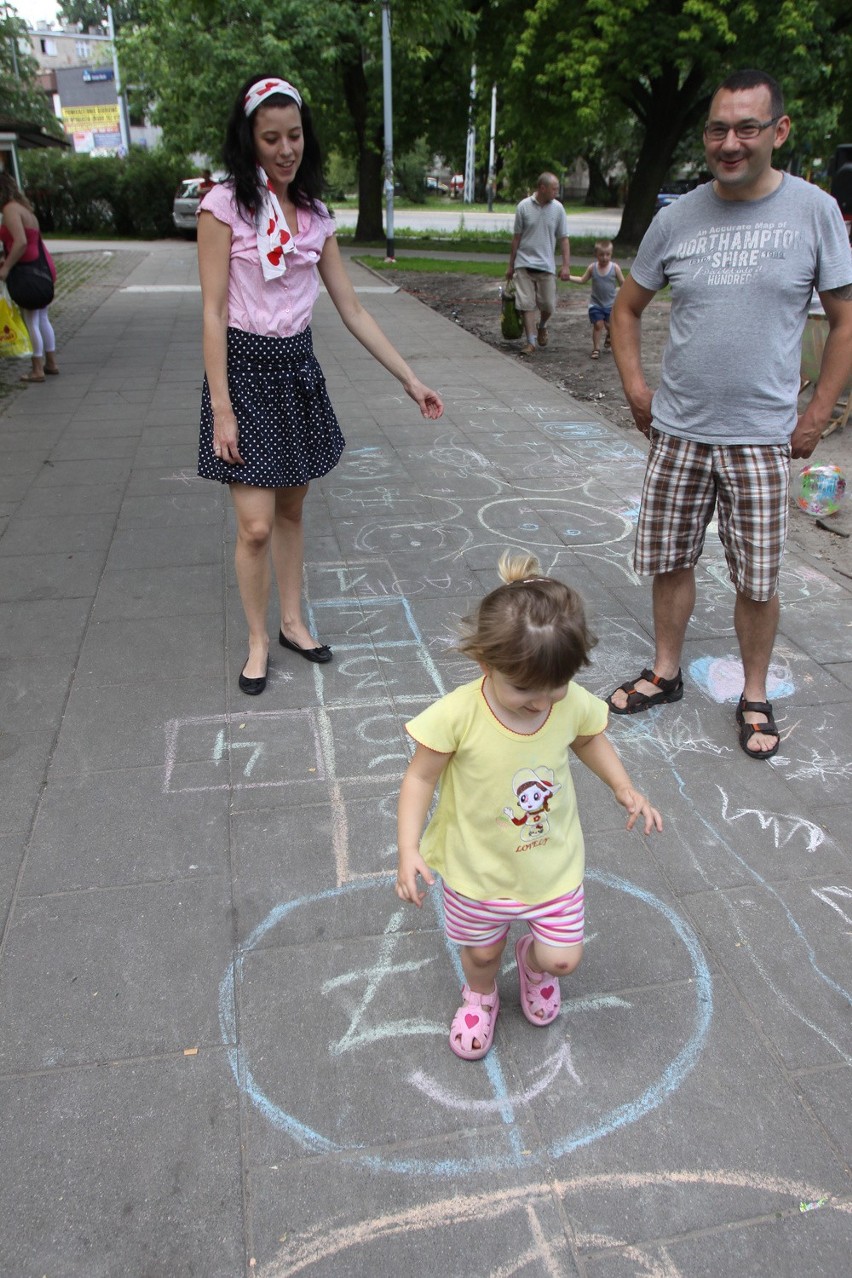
x,y
264,89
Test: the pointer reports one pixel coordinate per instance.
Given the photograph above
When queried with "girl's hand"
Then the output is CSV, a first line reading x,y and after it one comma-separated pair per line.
x,y
428,401
225,436
638,806
410,865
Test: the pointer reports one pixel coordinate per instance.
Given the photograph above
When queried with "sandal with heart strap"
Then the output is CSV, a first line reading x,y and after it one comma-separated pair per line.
x,y
474,1022
747,730
540,1000
670,690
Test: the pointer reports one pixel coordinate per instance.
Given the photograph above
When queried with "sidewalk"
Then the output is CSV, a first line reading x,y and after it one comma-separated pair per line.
x,y
222,1038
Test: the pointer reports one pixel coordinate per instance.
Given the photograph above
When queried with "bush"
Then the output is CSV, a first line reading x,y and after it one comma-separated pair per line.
x,y
104,195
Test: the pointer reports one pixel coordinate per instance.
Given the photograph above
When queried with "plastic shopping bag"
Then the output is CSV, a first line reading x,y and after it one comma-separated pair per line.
x,y
511,324
14,338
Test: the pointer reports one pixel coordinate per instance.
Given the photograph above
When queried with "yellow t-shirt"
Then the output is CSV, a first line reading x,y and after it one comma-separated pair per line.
x,y
506,822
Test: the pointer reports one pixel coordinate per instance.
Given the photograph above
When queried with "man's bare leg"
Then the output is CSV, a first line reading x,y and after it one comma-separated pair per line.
x,y
756,624
674,600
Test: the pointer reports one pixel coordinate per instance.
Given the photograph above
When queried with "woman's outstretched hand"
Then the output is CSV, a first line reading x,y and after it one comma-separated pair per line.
x,y
428,401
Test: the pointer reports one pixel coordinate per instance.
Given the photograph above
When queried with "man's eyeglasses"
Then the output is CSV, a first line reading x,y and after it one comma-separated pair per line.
x,y
747,131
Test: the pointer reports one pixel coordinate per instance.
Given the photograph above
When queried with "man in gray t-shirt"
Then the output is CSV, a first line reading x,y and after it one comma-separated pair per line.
x,y
540,224
743,255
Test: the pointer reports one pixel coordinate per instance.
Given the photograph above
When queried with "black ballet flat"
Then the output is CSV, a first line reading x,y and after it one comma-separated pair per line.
x,y
253,687
319,655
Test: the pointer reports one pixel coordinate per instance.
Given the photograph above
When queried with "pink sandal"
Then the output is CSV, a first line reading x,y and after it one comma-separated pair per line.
x,y
540,1003
472,1021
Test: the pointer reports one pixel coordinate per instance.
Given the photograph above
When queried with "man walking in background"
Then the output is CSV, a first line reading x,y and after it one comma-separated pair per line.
x,y
540,224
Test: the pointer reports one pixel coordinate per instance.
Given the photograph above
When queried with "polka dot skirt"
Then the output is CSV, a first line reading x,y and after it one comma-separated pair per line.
x,y
288,431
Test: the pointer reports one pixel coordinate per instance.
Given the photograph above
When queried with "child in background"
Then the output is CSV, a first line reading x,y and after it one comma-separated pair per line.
x,y
606,277
505,835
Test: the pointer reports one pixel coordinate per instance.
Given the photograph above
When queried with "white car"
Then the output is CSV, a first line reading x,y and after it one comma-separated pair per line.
x,y
184,206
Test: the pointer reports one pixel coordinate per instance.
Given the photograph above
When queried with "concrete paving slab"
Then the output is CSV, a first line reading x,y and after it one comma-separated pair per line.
x,y
98,1183
110,829
45,633
66,533
67,575
131,725
161,548
101,967
138,594
75,499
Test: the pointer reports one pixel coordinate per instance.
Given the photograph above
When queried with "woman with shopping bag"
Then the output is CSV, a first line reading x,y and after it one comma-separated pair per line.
x,y
29,274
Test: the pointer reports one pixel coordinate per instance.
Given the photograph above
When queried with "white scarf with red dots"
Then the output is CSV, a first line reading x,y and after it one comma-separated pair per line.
x,y
274,238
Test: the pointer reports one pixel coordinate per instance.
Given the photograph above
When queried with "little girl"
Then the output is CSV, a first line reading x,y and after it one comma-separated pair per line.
x,y
505,835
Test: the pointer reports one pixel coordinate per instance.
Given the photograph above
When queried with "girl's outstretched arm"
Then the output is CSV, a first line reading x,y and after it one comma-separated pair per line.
x,y
598,753
415,795
362,325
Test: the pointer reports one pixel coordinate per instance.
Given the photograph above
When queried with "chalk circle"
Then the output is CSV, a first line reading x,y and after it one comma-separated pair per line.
x,y
589,524
619,1116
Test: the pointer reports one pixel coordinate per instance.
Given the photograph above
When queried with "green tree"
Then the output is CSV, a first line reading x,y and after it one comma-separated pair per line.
x,y
605,59
20,96
92,14
191,55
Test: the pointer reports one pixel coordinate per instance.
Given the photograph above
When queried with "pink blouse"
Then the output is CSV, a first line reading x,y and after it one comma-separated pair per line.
x,y
274,308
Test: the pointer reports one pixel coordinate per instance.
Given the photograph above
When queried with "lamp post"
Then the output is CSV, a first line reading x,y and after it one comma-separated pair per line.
x,y
492,173
470,151
123,122
388,113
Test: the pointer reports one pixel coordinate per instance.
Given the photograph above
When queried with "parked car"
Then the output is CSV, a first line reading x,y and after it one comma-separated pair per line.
x,y
435,184
456,184
184,206
674,190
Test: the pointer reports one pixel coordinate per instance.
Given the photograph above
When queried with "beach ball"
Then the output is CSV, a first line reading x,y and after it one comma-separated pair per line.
x,y
818,490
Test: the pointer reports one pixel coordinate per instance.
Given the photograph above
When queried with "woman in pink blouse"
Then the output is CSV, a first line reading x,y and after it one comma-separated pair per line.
x,y
267,425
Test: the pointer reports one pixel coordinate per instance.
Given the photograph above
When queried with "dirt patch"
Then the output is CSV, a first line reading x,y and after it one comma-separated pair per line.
x,y
473,302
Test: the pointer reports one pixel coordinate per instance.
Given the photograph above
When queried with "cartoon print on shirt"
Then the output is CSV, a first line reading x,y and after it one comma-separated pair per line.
x,y
533,791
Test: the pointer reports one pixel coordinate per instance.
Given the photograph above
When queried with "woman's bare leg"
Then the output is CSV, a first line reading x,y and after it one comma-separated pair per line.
x,y
288,556
255,511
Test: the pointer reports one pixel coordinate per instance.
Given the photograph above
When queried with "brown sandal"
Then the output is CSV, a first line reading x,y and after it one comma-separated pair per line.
x,y
670,690
747,730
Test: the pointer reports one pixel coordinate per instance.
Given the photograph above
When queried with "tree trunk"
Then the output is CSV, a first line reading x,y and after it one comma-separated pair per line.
x,y
356,93
598,194
667,110
370,170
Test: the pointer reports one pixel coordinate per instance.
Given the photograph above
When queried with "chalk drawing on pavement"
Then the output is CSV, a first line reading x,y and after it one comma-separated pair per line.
x,y
548,1248
368,1023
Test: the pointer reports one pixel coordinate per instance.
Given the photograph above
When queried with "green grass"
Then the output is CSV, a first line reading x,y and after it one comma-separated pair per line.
x,y
458,266
444,266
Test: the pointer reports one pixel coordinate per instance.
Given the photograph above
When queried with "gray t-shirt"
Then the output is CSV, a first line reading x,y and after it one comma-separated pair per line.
x,y
603,287
541,227
742,274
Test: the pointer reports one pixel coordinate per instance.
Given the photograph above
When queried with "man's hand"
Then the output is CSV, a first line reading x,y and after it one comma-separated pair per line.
x,y
639,403
806,436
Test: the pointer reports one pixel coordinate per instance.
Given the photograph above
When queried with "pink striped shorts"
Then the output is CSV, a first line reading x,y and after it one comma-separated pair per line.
x,y
557,922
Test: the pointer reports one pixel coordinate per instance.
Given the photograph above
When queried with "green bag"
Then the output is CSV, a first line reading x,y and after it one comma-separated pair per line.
x,y
511,324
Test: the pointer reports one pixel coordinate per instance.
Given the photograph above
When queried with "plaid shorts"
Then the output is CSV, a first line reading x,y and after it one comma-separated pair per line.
x,y
747,485
558,922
